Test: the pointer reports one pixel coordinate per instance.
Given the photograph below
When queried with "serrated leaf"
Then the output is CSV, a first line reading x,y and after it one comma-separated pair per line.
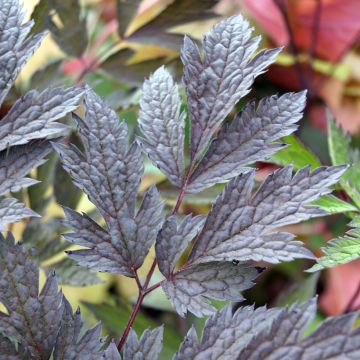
x,y
111,352
341,151
109,172
225,334
68,272
8,349
334,338
190,288
249,138
12,211
176,13
34,115
162,125
17,162
148,347
239,225
333,205
341,250
15,46
295,154
216,83
173,239
69,345
33,319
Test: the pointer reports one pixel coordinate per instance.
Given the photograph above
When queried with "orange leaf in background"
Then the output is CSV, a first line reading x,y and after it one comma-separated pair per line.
x,y
338,26
341,284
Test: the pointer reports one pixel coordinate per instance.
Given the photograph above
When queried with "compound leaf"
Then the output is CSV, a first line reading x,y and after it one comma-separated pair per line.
x,y
190,288
216,83
148,347
162,125
33,319
109,172
249,138
239,224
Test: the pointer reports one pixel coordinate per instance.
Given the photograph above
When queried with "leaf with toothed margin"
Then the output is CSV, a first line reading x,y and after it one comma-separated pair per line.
x,y
34,115
335,338
69,345
173,239
239,225
148,347
249,138
216,83
190,288
272,334
12,211
15,163
32,319
15,46
109,172
162,125
9,351
225,334
111,353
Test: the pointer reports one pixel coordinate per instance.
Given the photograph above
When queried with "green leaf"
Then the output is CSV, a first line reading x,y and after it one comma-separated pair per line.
x,y
296,153
341,152
342,249
333,205
115,319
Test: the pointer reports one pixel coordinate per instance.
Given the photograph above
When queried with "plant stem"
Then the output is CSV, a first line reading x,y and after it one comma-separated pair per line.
x,y
144,290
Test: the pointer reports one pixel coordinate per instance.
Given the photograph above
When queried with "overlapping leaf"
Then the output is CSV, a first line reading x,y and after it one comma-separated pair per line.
x,y
173,239
163,125
225,334
215,83
69,345
239,225
148,347
109,172
248,139
284,337
33,319
272,334
190,288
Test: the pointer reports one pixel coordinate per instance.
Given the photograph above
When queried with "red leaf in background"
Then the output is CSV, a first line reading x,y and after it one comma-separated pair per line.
x,y
341,284
338,27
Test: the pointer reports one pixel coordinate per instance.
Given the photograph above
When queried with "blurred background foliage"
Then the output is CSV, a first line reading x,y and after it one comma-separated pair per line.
x,y
113,45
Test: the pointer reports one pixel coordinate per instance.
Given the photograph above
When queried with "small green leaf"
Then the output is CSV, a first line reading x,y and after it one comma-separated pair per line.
x,y
342,249
333,205
296,153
